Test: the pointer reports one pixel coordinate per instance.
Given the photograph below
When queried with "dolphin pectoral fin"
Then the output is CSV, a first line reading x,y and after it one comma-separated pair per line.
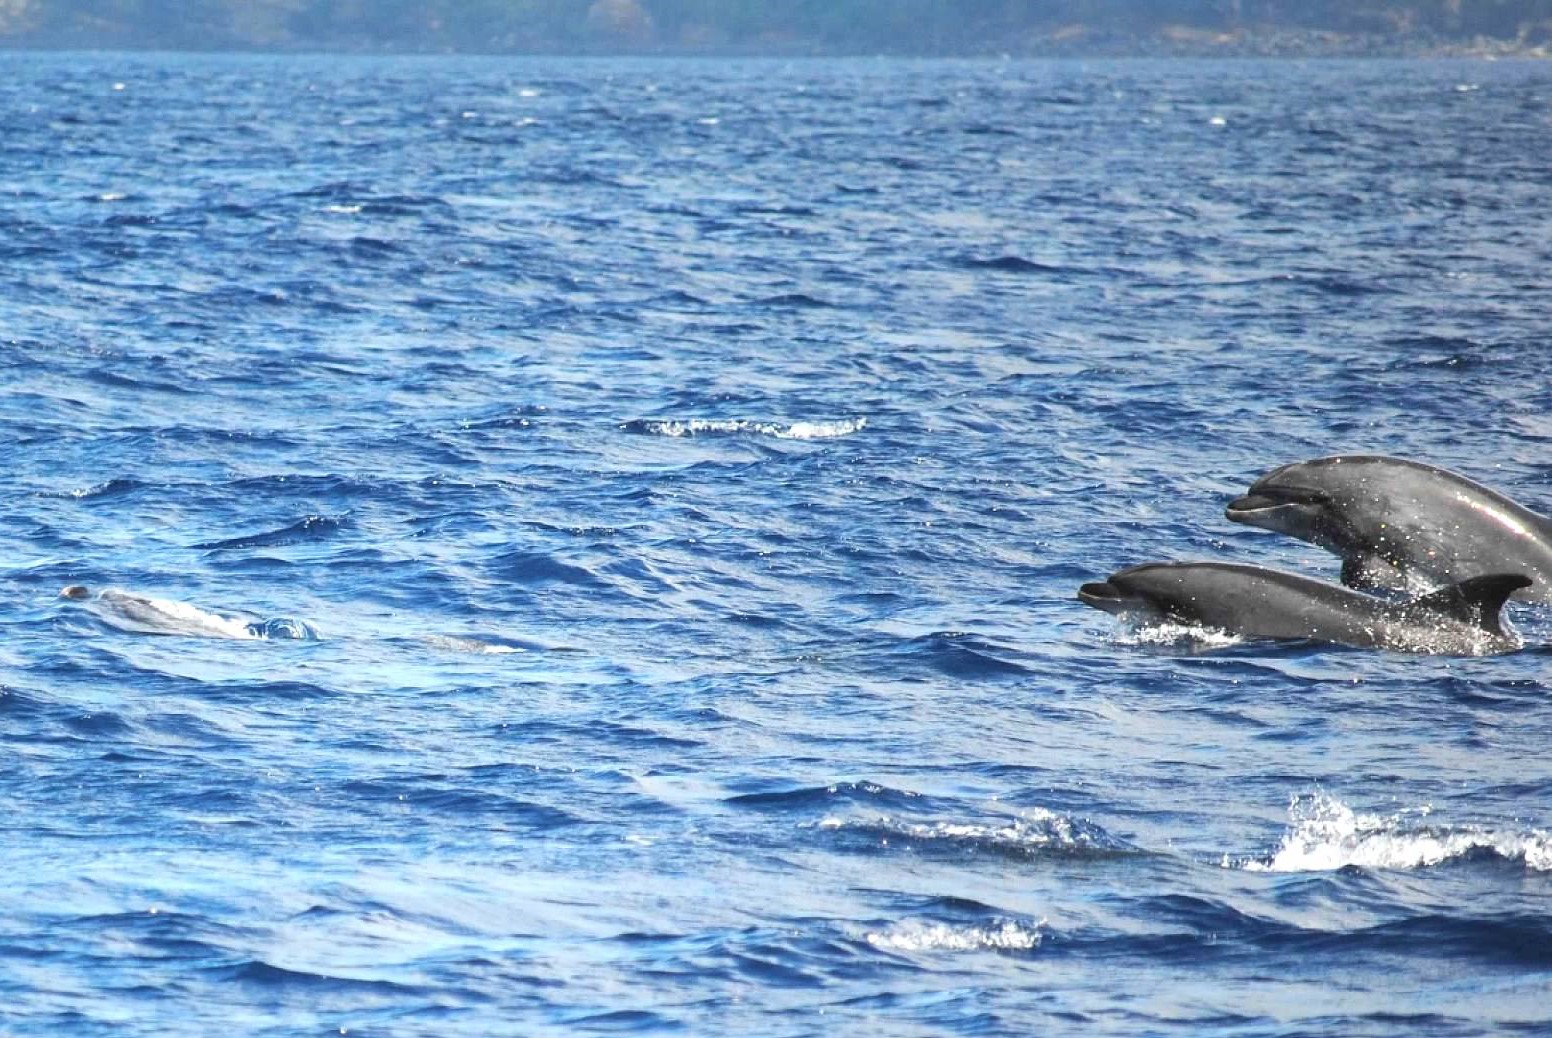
x,y
1368,572
1478,601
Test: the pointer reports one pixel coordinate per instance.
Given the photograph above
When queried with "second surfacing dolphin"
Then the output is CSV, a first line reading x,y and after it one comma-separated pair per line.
x,y
1397,523
1463,619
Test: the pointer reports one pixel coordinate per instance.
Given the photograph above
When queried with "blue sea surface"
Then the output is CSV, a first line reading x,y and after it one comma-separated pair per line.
x,y
687,468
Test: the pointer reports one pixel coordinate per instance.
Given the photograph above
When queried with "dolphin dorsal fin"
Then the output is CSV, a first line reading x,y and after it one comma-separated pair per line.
x,y
1477,601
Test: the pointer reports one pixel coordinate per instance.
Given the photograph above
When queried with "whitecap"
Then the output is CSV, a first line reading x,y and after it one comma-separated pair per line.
x,y
917,936
1325,834
821,430
801,430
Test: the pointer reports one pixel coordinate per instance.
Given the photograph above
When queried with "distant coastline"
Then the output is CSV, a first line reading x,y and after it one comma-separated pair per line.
x,y
1293,46
1278,42
753,28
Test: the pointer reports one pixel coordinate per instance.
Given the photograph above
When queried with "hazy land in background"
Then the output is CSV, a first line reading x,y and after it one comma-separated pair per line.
x,y
792,27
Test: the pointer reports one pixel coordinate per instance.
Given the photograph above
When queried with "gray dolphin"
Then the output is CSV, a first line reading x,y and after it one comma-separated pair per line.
x,y
1390,519
145,615
1255,602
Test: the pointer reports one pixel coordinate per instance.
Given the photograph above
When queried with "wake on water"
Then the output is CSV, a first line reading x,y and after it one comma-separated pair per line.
x,y
1173,636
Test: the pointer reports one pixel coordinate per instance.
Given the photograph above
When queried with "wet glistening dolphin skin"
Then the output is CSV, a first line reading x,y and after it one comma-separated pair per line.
x,y
1256,602
1390,519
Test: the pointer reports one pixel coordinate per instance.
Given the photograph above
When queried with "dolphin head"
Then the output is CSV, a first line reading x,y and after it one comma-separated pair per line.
x,y
1102,594
1136,593
1309,500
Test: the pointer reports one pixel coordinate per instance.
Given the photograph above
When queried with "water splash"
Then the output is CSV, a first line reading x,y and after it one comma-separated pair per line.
x,y
1325,834
1169,635
678,428
916,936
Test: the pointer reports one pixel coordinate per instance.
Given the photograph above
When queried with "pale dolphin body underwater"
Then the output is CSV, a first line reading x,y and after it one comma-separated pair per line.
x,y
1390,519
1256,602
145,615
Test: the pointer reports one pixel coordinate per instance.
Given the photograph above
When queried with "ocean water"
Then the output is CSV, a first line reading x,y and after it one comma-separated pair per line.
x,y
687,469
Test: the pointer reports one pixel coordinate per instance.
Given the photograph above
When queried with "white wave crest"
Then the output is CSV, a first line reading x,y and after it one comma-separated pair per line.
x,y
915,936
1325,834
736,426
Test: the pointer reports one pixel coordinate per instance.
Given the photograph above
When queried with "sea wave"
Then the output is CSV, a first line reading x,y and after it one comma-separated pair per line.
x,y
307,529
1034,833
1326,834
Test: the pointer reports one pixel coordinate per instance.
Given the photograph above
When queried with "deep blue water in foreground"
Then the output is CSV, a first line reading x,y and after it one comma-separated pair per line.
x,y
688,468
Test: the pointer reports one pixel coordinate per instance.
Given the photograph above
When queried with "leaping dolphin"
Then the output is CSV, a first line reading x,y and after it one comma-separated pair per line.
x,y
1463,619
1390,519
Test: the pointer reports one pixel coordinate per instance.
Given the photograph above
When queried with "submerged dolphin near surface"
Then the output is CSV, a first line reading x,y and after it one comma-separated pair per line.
x,y
1255,602
1390,519
128,611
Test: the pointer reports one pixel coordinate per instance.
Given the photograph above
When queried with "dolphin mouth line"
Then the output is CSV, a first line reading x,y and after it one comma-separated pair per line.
x,y
1256,510
1101,594
1261,500
1118,601
1250,504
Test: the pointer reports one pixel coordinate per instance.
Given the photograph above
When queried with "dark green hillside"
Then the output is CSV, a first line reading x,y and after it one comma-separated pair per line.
x,y
938,27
